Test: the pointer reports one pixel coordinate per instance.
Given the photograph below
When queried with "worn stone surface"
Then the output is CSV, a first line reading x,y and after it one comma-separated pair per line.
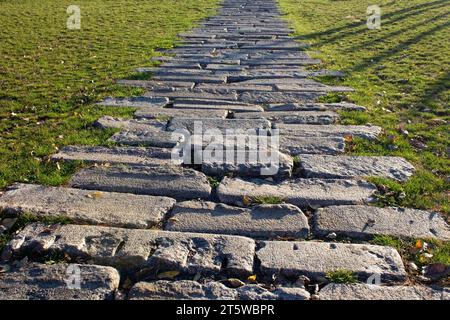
x,y
266,162
312,88
374,292
221,125
168,113
315,107
193,94
278,97
133,249
307,130
295,145
151,138
299,117
364,221
187,108
170,181
300,192
316,259
136,102
262,221
342,167
191,290
130,124
117,155
84,206
49,282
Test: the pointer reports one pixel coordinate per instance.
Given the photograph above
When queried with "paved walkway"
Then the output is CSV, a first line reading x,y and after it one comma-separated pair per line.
x,y
214,230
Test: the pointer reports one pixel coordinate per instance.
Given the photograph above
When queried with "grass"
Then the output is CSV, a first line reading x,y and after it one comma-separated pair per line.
x,y
267,200
409,249
400,73
50,76
341,276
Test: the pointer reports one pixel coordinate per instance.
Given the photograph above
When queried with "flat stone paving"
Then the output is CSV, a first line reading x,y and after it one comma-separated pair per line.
x,y
242,70
191,290
366,221
133,249
375,292
84,206
262,221
49,282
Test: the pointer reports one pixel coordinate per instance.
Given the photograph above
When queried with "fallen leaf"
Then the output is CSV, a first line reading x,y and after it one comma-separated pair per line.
x,y
246,200
252,278
419,244
95,195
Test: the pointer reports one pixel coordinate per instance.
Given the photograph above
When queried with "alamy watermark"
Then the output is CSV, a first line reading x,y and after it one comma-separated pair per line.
x,y
73,277
74,19
374,18
233,147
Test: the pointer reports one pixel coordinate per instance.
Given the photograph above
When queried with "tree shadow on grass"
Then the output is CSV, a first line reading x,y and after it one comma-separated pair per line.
x,y
396,49
423,7
343,32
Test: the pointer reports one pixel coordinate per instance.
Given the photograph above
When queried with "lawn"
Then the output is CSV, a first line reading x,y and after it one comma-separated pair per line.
x,y
50,75
401,73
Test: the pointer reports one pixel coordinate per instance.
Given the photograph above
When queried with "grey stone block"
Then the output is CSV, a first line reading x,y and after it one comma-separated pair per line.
x,y
316,259
306,130
262,221
83,206
117,155
171,181
366,221
374,292
132,250
50,282
298,117
344,167
300,192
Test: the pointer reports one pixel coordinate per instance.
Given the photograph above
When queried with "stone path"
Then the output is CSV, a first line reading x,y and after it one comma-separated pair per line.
x,y
183,231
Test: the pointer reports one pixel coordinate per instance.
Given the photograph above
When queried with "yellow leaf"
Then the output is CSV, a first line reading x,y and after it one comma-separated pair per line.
x,y
168,274
96,195
246,200
419,244
252,278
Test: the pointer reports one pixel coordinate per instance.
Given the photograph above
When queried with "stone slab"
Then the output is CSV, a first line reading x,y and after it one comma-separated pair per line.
x,y
130,124
307,130
116,155
300,192
187,108
153,138
84,206
335,291
218,124
171,181
168,113
295,146
315,107
316,259
263,221
344,167
278,97
366,221
49,282
132,250
191,290
135,102
296,117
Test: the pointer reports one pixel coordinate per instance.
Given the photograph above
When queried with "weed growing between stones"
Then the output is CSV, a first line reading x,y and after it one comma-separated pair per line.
x,y
341,276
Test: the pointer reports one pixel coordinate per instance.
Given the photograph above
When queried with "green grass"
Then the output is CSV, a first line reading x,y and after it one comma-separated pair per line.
x,y
50,76
400,73
267,200
439,249
341,276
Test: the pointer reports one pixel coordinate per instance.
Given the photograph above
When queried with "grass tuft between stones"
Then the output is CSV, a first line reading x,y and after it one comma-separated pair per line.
x,y
341,276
